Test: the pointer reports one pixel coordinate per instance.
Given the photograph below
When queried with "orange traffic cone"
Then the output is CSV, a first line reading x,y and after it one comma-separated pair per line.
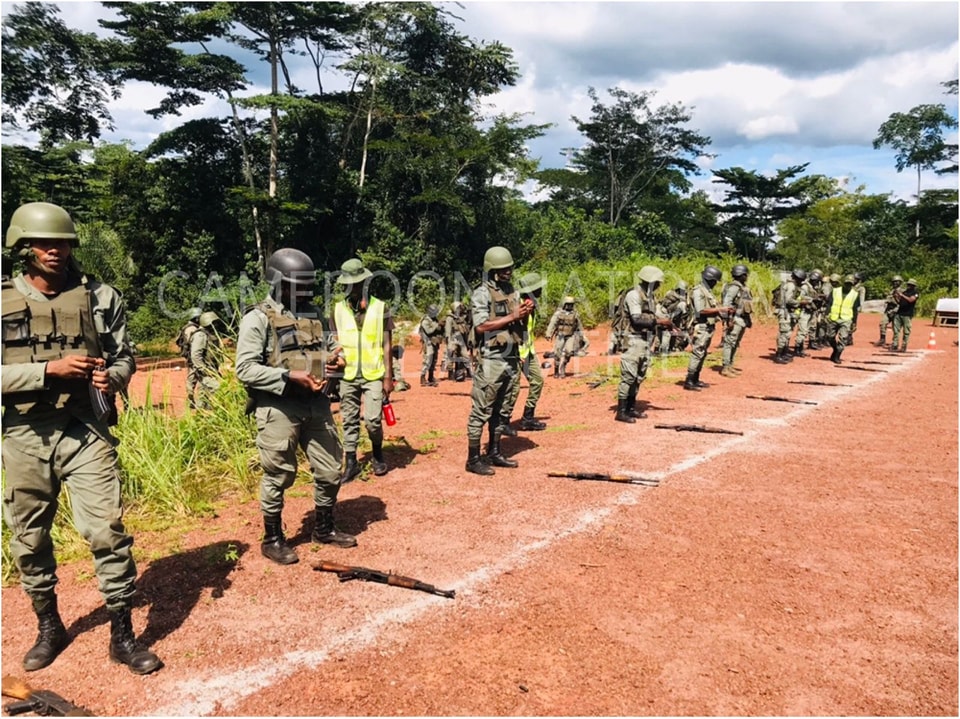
x,y
932,344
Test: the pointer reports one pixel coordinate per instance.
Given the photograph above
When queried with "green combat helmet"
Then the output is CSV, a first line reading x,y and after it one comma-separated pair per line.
x,y
40,221
650,274
530,283
497,258
897,278
835,279
849,280
569,300
208,318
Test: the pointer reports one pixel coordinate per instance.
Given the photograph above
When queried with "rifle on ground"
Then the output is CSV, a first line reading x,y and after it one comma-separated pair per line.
x,y
346,573
42,702
818,383
696,428
771,398
875,362
624,478
860,369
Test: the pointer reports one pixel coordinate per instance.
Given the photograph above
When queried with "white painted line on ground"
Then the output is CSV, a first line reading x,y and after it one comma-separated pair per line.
x,y
221,692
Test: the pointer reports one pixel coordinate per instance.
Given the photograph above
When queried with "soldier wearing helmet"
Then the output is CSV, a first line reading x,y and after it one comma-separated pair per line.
x,y
431,335
66,355
737,299
204,359
705,310
842,308
286,362
890,306
903,320
566,331
640,303
806,322
456,334
530,288
364,328
818,325
499,318
183,345
788,313
673,307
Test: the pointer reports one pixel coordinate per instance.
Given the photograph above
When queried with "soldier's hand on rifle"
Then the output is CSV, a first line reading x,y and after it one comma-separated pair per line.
x,y
305,380
99,378
525,309
73,367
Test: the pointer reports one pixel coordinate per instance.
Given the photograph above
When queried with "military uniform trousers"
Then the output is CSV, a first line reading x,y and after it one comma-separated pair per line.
x,y
886,320
805,323
702,336
429,358
565,347
902,323
633,365
191,384
531,370
283,428
492,382
87,464
840,332
787,321
354,394
731,339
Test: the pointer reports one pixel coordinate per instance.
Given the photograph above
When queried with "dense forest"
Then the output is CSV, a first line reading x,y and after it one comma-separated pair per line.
x,y
403,167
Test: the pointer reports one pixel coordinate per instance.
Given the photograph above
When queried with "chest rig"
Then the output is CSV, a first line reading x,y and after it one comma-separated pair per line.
x,y
47,330
566,323
503,305
298,344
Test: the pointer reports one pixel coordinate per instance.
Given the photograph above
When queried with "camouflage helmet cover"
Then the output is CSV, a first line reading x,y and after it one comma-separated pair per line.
x,y
816,276
497,258
650,274
40,221
433,311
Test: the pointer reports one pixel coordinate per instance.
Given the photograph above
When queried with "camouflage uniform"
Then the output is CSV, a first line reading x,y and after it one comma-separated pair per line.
x,y
673,307
641,307
566,330
736,296
431,335
805,321
456,334
205,363
843,306
788,316
890,307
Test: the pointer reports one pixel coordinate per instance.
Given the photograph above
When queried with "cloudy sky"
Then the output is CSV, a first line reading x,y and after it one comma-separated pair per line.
x,y
772,84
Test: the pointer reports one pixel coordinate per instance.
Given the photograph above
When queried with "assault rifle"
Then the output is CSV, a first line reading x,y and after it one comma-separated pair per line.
x,y
860,369
696,428
624,478
818,383
771,398
346,573
40,702
875,362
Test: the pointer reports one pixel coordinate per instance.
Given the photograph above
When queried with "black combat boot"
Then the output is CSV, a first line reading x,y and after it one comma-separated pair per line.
x,y
274,545
495,457
431,380
690,383
781,356
632,409
623,414
324,532
835,356
697,381
423,380
798,351
506,429
124,648
475,462
528,423
351,468
52,637
379,465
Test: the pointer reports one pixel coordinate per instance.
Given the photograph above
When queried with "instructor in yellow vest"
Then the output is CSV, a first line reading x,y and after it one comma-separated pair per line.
x,y
364,330
843,306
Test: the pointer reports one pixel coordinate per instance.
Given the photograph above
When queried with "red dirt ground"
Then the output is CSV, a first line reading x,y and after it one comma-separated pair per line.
x,y
808,567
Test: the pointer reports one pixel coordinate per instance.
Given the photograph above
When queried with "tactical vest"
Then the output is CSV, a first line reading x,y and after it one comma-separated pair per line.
x,y
566,323
709,302
743,302
841,310
460,324
648,315
298,343
503,305
362,347
43,331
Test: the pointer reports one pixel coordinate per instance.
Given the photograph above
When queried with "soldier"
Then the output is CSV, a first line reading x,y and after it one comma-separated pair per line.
x,y
907,305
842,309
205,359
890,307
457,336
566,330
498,320
183,343
705,312
737,298
66,354
399,383
531,287
788,314
805,321
673,307
364,329
641,308
817,330
862,291
284,360
431,335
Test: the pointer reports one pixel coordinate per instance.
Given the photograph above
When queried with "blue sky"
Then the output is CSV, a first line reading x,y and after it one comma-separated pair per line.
x,y
772,84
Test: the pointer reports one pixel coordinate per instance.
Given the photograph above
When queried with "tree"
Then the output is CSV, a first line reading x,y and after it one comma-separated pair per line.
x,y
630,146
951,148
54,77
755,203
917,137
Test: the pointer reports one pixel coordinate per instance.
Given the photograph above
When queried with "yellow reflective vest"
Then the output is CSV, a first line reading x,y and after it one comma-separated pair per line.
x,y
526,346
841,309
362,348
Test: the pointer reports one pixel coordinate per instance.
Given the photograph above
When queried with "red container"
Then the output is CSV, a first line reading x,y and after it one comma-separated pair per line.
x,y
389,417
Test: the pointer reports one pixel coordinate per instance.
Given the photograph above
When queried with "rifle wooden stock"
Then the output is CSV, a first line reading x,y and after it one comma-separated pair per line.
x,y
623,478
346,573
42,702
818,383
696,428
771,398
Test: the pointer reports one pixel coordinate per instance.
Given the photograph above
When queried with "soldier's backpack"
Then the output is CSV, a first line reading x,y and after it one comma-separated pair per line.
x,y
183,339
777,297
620,323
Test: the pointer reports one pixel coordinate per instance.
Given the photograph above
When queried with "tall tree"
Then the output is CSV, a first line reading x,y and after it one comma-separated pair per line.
x,y
631,145
917,137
